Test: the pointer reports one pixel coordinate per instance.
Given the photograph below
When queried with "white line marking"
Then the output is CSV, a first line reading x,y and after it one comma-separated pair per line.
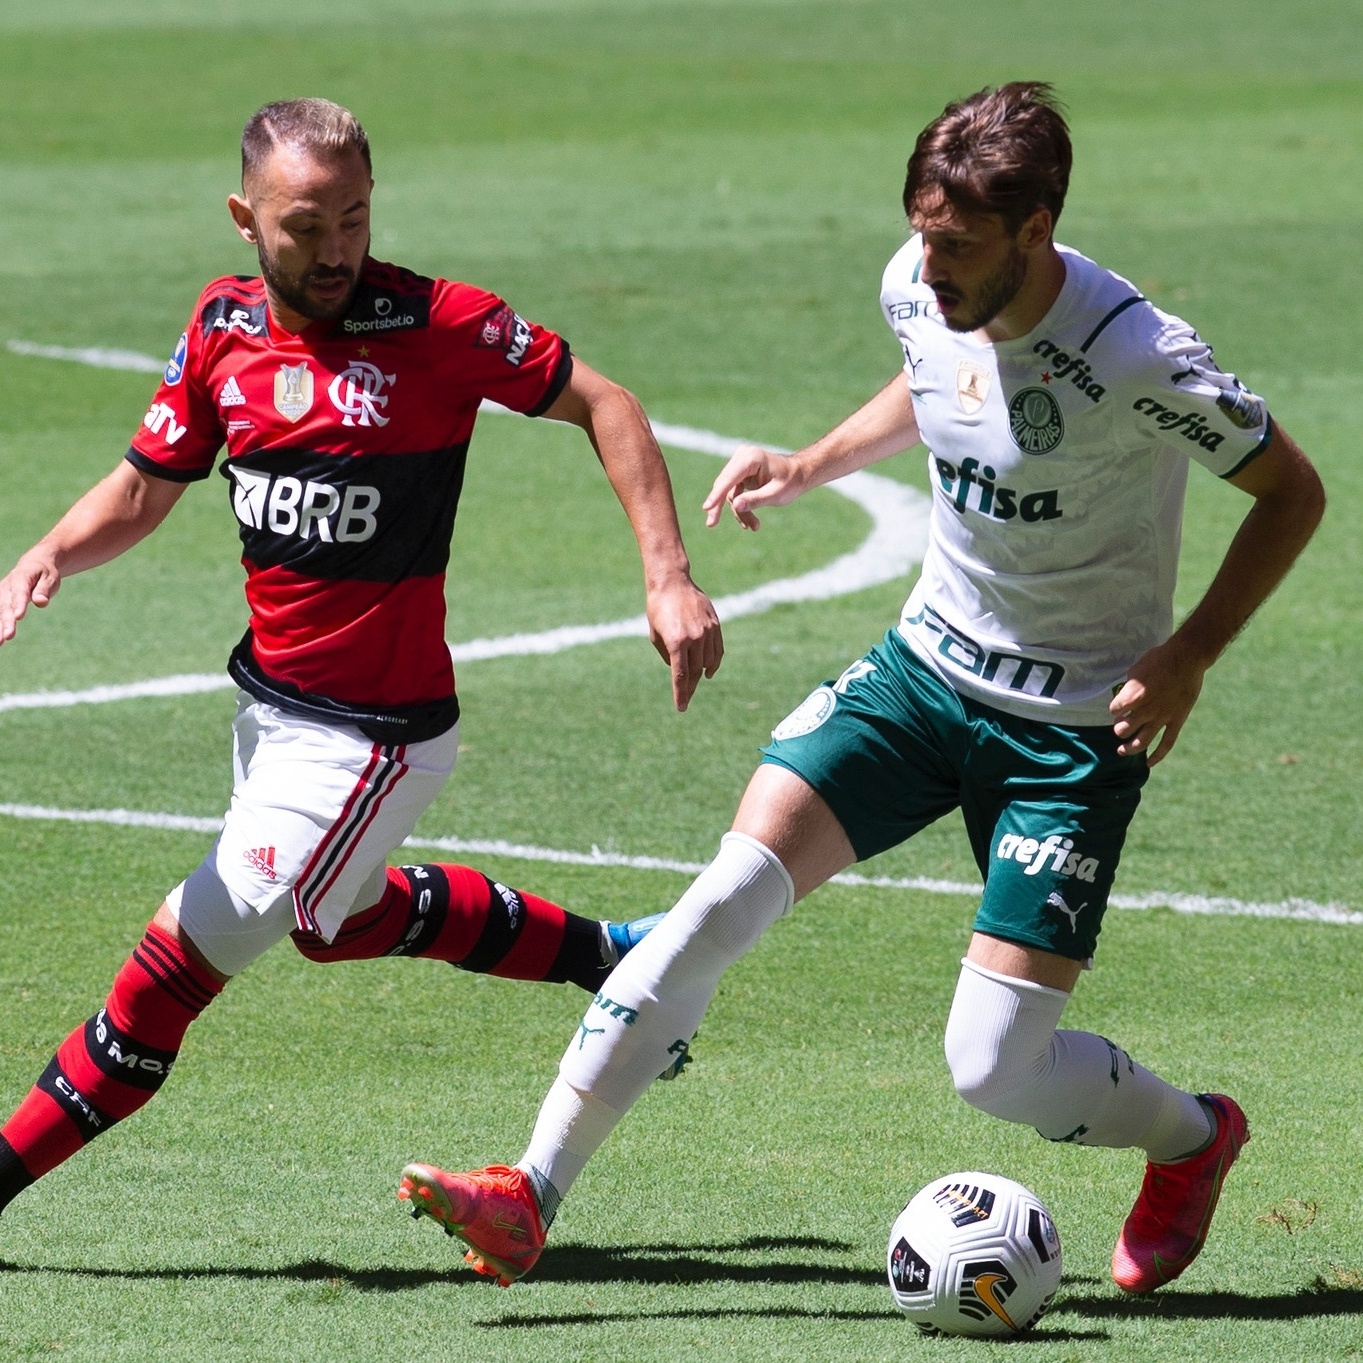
x,y
1303,910
899,517
92,355
899,532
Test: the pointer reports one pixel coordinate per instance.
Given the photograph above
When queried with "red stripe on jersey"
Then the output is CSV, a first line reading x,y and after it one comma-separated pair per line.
x,y
366,643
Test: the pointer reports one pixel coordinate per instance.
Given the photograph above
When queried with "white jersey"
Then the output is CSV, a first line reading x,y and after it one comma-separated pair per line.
x,y
1058,463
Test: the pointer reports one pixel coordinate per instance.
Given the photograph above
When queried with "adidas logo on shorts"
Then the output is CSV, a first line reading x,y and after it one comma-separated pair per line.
x,y
262,858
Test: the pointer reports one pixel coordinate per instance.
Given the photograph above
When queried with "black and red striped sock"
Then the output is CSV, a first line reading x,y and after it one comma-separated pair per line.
x,y
457,914
109,1067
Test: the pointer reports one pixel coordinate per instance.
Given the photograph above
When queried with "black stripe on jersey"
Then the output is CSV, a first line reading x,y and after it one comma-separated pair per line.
x,y
152,469
556,385
1109,319
398,724
366,518
1255,452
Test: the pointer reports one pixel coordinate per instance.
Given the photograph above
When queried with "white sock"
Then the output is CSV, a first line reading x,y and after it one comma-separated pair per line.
x,y
652,1003
1008,1059
569,1129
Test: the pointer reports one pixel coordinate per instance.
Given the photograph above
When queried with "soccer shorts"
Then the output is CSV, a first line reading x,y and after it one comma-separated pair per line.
x,y
891,747
316,808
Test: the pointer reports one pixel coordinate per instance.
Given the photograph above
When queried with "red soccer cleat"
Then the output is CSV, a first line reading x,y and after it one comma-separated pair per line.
x,y
1168,1225
493,1210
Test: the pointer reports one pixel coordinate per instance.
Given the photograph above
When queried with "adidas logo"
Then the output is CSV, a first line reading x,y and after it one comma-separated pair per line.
x,y
262,858
231,395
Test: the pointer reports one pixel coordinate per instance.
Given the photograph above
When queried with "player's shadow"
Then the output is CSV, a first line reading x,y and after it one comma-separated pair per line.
x,y
678,1264
1315,1301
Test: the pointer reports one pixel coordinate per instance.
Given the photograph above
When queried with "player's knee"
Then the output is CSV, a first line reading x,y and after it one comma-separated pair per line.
x,y
226,930
988,1077
1001,1054
314,947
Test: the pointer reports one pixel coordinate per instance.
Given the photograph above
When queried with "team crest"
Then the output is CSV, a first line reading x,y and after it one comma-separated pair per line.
x,y
808,715
293,390
1035,421
972,386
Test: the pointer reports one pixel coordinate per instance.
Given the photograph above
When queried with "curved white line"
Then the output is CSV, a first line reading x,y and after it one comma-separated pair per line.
x,y
898,538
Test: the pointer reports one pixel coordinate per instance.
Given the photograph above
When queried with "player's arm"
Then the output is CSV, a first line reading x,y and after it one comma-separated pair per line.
x,y
114,515
682,623
756,477
1163,685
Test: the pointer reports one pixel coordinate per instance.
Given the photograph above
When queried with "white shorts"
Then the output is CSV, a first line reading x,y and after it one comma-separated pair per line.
x,y
316,809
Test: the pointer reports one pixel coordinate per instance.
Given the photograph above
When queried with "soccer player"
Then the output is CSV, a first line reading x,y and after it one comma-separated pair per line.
x,y
1028,682
345,392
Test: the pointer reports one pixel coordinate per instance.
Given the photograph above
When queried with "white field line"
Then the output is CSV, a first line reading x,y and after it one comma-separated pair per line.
x,y
899,529
1303,910
899,518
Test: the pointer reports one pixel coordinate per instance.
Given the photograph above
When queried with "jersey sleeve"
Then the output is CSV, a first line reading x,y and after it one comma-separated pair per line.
x,y
902,300
1180,398
497,353
182,432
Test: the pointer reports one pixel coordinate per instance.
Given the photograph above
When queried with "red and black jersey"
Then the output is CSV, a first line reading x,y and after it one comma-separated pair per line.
x,y
346,446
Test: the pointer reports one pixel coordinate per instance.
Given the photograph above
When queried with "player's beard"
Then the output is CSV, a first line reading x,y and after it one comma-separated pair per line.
x,y
292,290
993,295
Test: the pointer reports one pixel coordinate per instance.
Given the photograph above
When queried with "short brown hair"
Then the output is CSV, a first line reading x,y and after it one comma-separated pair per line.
x,y
316,125
1004,151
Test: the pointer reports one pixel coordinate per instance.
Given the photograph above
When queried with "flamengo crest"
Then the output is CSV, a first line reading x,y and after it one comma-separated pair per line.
x,y
357,393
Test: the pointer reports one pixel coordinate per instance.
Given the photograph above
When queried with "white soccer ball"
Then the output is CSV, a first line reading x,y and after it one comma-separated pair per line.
x,y
974,1254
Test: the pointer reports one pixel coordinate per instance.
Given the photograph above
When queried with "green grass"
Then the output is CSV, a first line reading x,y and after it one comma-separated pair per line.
x,y
701,196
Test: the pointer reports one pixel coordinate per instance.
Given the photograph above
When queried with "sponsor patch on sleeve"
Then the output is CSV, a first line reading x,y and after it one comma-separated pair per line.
x,y
175,369
503,330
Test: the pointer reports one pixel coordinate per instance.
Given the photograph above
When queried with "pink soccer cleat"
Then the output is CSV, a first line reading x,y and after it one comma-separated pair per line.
x,y
1168,1225
493,1210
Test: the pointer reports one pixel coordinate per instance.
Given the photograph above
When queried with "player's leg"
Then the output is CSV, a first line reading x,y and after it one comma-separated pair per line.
x,y
454,913
116,1062
316,812
1049,867
836,786
641,1022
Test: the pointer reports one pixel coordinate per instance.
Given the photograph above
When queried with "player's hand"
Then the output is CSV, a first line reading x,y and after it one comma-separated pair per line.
x,y
753,477
685,630
30,582
1153,704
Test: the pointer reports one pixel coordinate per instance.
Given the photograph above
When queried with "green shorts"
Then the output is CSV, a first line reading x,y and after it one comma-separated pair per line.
x,y
891,747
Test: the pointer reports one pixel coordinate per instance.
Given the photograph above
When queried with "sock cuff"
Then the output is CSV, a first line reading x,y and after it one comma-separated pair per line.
x,y
734,839
1012,981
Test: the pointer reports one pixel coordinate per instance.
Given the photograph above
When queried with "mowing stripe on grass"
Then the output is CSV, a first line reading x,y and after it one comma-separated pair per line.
x,y
1217,906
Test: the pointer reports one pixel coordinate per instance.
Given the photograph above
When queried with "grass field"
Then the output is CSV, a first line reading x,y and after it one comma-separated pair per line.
x,y
700,196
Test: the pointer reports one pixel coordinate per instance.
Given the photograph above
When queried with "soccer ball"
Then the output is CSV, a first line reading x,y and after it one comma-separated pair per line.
x,y
974,1254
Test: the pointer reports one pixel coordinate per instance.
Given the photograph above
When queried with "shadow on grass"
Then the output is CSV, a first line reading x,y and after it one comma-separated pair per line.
x,y
684,1265
1043,1335
1317,1301
680,1264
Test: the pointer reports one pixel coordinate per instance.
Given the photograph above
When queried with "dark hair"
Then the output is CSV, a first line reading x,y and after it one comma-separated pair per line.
x,y
1005,151
315,125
